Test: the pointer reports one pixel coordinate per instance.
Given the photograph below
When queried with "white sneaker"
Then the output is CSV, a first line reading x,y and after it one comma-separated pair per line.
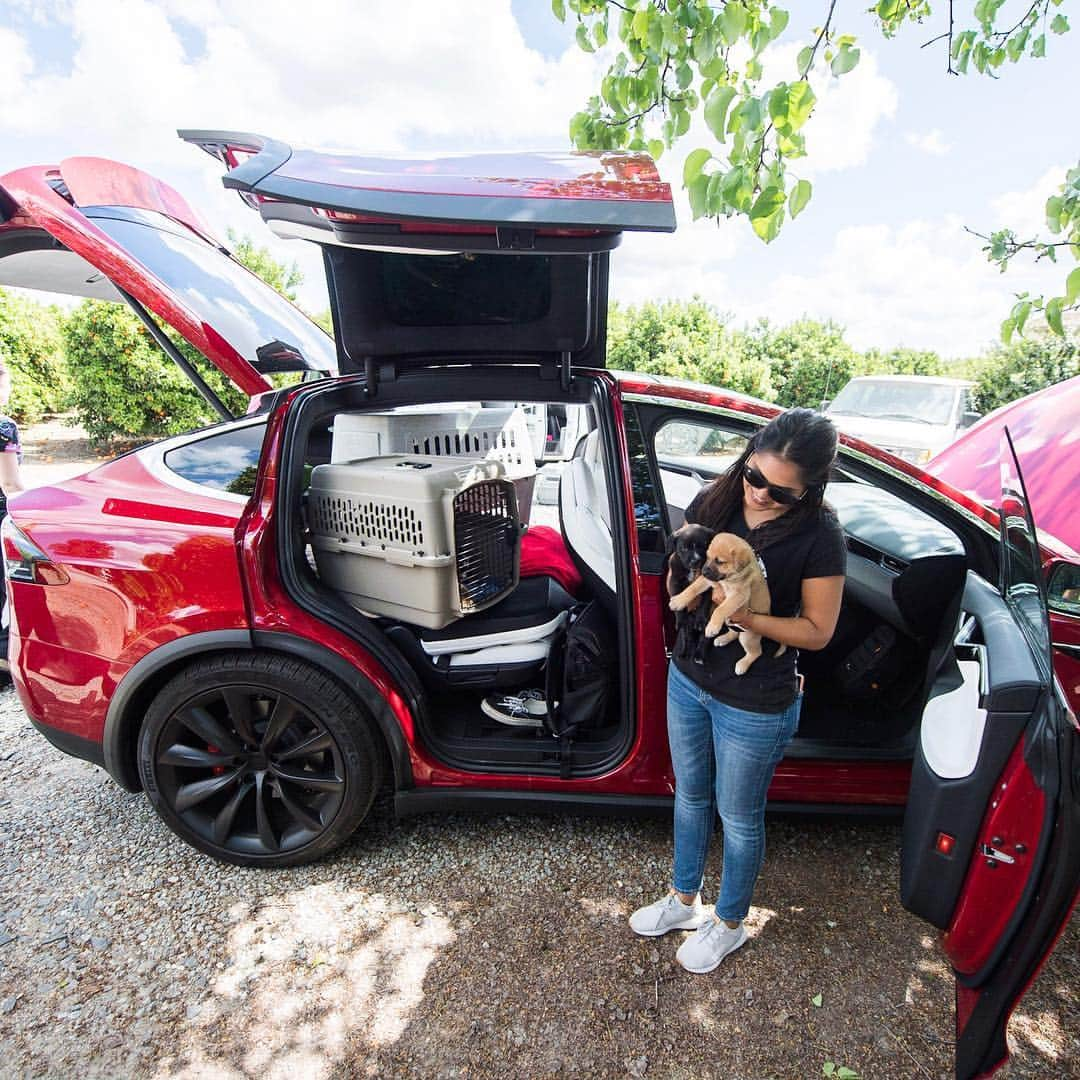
x,y
713,941
525,709
668,913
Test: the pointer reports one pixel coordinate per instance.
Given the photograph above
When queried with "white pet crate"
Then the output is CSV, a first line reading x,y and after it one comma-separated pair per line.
x,y
422,538
496,433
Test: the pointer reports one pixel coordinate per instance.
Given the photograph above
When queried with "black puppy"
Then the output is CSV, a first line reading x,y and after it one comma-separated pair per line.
x,y
687,551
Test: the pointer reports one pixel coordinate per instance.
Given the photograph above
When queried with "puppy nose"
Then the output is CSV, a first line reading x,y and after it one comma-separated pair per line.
x,y
711,572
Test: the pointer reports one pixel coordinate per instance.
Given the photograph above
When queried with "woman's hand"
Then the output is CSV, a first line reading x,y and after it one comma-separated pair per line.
x,y
739,620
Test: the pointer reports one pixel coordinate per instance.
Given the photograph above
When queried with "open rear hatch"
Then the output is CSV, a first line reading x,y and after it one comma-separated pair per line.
x,y
499,258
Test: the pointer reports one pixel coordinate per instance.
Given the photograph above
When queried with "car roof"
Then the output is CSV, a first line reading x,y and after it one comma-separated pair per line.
x,y
944,380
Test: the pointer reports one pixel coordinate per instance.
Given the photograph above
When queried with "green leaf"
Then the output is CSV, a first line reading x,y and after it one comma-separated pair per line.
x,y
779,22
844,1073
1007,328
582,36
1038,47
1060,24
640,25
558,9
683,76
767,213
801,99
732,21
656,148
806,54
697,191
1054,207
1053,316
716,108
829,1068
816,1001
1020,313
695,162
600,34
1072,287
845,60
797,200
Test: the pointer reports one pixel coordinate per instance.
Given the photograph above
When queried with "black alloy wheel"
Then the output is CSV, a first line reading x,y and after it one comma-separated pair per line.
x,y
258,760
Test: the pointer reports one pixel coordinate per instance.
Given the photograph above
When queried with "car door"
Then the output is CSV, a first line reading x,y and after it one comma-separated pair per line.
x,y
96,228
991,849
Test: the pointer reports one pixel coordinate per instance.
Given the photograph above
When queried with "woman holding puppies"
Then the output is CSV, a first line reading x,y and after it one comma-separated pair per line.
x,y
727,731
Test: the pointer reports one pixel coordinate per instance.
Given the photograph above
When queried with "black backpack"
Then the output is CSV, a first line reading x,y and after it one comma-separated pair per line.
x,y
580,674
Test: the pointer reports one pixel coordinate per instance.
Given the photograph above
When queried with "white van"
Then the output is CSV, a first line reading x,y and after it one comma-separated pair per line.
x,y
912,416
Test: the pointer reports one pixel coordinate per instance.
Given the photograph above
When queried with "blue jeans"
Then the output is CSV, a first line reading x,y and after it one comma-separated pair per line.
x,y
724,759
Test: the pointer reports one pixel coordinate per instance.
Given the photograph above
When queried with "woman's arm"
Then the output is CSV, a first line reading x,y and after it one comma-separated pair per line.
x,y
10,481
812,628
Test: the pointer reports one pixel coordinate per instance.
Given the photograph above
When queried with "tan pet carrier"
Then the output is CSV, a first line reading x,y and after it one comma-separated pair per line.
x,y
420,538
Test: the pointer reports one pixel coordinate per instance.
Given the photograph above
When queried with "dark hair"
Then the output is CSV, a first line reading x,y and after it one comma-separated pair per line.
x,y
802,436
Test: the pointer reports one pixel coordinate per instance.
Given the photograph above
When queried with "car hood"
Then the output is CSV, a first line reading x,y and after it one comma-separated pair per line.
x,y
893,434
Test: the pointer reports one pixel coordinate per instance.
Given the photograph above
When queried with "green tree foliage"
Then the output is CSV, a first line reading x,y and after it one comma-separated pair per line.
x,y
286,278
1010,371
808,360
124,385
684,340
30,346
675,58
900,362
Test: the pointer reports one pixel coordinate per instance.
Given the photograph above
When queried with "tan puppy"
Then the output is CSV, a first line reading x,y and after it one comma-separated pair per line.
x,y
732,571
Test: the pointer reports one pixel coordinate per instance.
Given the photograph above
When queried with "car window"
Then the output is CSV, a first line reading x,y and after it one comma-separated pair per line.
x,y
1064,589
690,452
226,461
929,403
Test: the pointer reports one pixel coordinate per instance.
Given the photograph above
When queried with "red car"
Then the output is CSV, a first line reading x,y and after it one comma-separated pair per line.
x,y
262,622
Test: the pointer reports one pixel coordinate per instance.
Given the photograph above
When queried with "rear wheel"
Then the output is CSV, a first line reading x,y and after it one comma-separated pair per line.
x,y
258,760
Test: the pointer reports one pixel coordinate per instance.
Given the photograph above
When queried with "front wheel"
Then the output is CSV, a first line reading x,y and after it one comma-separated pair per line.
x,y
258,760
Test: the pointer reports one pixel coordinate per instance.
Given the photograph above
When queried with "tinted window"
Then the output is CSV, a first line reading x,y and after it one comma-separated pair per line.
x,y
647,514
465,289
238,305
227,461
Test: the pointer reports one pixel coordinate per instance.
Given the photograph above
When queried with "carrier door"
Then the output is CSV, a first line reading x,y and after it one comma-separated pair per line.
x,y
991,851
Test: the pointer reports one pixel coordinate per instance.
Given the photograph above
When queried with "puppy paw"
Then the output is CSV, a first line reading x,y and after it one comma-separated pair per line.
x,y
677,604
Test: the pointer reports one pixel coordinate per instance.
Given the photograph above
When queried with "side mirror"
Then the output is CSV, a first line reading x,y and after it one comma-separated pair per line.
x,y
969,418
1063,588
825,403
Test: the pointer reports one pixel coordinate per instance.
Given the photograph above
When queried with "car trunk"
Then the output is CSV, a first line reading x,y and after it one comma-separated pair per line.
x,y
449,284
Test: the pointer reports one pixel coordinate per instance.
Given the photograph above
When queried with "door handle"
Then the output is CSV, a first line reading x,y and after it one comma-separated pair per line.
x,y
994,855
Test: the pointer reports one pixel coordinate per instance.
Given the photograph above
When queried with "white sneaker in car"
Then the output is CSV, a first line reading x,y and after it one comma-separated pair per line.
x,y
524,709
669,913
703,951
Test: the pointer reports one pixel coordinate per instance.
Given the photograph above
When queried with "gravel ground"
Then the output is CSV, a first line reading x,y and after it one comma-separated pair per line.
x,y
452,946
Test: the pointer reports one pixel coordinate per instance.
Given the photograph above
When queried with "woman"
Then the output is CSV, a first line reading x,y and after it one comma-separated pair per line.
x,y
726,731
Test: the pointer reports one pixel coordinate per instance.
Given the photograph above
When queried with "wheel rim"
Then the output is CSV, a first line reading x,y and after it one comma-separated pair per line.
x,y
250,770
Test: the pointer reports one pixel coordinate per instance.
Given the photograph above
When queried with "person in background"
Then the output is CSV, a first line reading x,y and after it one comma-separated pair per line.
x,y
10,484
727,732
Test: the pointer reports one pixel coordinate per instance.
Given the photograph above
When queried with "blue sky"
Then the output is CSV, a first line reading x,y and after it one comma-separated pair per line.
x,y
902,156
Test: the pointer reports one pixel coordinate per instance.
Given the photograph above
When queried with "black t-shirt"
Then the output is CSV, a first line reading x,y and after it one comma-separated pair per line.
x,y
815,550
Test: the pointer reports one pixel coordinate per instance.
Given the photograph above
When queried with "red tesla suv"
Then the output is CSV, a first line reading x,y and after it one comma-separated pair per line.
x,y
263,622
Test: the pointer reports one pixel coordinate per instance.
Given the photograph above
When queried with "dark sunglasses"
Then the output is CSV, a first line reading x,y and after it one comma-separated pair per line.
x,y
782,495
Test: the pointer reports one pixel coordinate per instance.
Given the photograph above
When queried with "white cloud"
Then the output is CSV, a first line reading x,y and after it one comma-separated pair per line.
x,y
929,142
924,284
849,111
1025,211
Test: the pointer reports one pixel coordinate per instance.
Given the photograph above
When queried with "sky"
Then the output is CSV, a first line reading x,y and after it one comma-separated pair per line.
x,y
902,156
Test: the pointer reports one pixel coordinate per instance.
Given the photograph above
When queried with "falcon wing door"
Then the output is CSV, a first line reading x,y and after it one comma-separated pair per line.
x,y
991,850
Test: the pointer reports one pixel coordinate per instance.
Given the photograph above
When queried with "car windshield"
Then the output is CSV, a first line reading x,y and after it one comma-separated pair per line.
x,y
238,305
929,403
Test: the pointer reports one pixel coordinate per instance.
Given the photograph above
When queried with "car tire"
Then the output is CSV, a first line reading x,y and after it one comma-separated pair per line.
x,y
259,759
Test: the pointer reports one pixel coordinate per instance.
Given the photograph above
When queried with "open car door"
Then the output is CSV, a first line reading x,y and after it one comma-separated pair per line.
x,y
991,851
97,228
